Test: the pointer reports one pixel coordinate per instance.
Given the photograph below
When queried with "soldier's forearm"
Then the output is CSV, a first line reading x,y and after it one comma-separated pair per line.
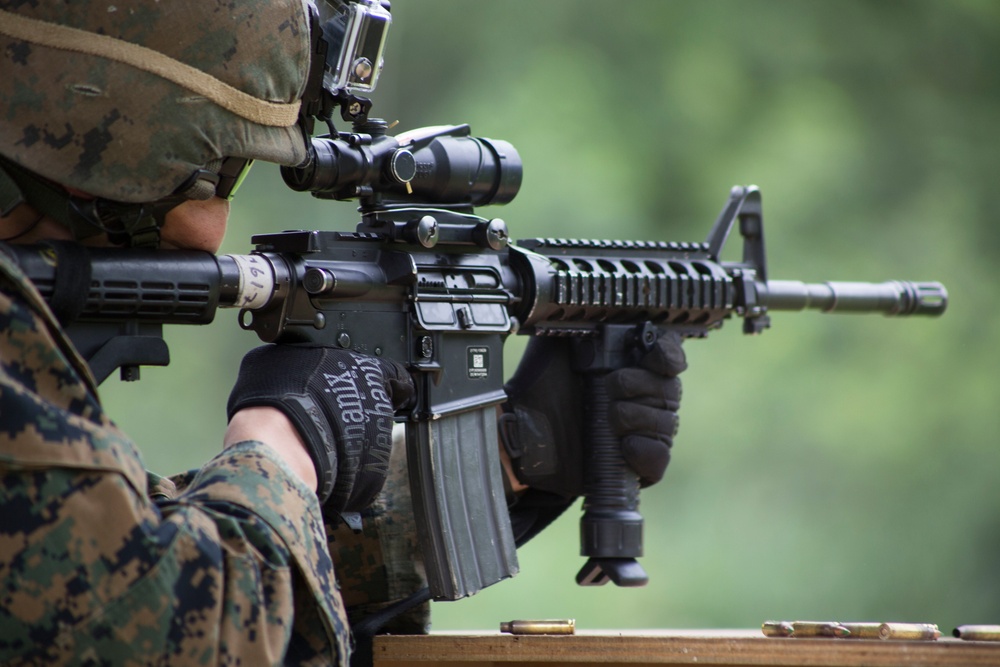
x,y
271,427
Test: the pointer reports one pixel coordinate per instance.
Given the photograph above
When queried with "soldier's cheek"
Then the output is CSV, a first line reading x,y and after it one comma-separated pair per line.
x,y
196,225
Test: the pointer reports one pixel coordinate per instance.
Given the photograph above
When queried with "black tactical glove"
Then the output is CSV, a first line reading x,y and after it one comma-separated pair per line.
x,y
341,402
546,423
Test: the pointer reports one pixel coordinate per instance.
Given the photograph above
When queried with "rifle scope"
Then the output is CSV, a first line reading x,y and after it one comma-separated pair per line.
x,y
439,165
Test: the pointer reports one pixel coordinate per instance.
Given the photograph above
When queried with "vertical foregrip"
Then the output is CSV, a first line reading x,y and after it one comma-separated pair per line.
x,y
611,527
606,478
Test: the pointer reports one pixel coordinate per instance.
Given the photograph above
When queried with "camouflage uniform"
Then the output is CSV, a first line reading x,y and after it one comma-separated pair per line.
x,y
231,567
382,563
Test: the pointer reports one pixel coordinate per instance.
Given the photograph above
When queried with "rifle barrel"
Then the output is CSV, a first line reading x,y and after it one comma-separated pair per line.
x,y
894,297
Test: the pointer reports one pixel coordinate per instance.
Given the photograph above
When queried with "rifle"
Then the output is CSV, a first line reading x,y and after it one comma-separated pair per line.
x,y
425,281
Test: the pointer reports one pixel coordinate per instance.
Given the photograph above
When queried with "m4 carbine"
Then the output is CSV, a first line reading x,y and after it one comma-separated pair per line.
x,y
427,282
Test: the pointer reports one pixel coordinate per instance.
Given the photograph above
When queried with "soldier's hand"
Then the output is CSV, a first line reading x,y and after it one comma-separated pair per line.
x,y
544,429
342,405
644,404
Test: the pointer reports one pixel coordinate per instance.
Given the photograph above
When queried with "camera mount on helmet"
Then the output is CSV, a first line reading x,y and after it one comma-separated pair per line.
x,y
347,42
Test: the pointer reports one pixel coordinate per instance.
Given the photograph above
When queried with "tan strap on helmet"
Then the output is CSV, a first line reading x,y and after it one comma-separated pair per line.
x,y
62,37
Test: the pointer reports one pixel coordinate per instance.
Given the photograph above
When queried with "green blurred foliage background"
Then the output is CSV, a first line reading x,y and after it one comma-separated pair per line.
x,y
836,467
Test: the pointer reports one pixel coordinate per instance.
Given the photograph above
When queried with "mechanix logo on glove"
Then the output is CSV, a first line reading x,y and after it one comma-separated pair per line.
x,y
342,404
365,410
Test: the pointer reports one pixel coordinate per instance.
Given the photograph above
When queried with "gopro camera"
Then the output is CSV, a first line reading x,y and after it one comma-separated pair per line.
x,y
355,34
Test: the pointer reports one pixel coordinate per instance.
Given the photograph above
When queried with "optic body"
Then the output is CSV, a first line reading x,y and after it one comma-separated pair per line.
x,y
440,165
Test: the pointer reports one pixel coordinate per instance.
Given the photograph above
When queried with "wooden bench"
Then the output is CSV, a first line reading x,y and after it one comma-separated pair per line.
x,y
687,647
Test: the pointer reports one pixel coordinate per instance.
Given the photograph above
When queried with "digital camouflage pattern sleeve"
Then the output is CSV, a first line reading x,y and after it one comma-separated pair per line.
x,y
231,569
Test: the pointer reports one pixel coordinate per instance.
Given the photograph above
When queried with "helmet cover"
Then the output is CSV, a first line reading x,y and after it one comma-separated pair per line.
x,y
135,127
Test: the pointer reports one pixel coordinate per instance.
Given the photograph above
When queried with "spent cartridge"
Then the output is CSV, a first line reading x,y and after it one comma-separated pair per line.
x,y
978,633
566,626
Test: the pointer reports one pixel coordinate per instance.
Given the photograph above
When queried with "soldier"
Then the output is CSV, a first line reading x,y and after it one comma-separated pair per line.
x,y
131,125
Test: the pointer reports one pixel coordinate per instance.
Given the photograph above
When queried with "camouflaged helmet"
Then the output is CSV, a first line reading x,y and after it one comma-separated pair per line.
x,y
128,100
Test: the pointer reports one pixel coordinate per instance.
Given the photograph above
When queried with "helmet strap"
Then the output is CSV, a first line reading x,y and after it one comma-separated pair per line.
x,y
126,224
46,197
129,225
